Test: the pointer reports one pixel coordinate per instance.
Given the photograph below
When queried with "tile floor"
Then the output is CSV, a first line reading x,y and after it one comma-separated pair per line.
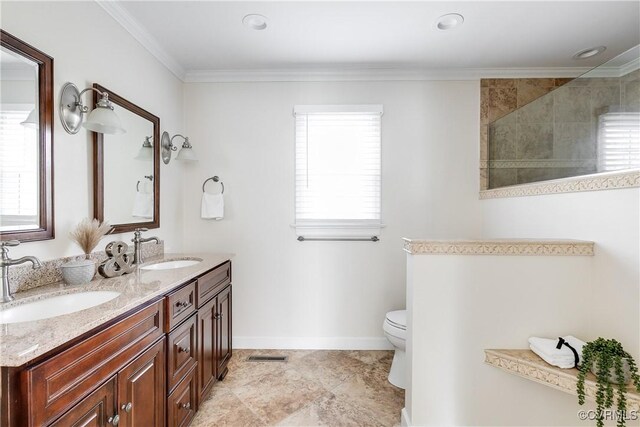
x,y
314,388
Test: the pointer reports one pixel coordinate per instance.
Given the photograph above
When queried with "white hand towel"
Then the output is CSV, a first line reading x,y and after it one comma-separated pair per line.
x,y
143,205
212,206
562,357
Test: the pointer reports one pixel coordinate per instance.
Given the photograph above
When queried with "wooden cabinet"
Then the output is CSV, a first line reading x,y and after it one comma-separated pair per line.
x,y
149,367
141,389
223,301
214,340
99,409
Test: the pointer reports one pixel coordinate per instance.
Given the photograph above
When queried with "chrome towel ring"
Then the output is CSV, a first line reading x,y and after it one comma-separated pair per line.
x,y
214,179
149,177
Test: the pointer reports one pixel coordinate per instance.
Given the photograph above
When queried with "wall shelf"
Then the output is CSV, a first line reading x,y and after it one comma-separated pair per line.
x,y
527,364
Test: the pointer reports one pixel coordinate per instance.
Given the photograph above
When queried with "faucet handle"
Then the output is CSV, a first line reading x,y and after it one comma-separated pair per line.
x,y
10,243
138,230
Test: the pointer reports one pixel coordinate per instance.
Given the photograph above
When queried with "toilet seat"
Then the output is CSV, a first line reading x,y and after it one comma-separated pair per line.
x,y
397,319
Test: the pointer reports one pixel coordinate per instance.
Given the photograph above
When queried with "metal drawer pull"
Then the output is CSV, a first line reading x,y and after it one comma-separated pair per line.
x,y
115,420
186,405
184,350
217,316
182,304
127,408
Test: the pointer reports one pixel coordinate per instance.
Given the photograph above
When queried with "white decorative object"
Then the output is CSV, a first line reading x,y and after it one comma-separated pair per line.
x,y
78,272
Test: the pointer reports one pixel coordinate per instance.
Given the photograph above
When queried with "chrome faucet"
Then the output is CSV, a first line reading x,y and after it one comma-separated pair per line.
x,y
6,262
138,240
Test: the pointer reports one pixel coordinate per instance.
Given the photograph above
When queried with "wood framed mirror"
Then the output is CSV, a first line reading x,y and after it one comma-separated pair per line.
x,y
126,178
26,141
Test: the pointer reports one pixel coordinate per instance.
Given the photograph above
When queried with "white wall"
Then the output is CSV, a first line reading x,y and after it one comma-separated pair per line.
x,y
326,294
459,305
611,218
88,47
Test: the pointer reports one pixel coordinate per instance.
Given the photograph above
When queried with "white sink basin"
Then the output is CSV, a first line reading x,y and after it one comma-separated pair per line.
x,y
168,265
55,306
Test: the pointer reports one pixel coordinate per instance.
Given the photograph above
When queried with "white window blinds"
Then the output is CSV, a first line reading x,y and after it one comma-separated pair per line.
x,y
618,141
18,171
338,170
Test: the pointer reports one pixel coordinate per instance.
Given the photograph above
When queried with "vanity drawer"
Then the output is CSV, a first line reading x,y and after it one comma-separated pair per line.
x,y
181,352
179,305
181,404
58,383
213,282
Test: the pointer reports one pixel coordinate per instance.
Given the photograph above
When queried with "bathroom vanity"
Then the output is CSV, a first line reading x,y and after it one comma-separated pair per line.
x,y
148,357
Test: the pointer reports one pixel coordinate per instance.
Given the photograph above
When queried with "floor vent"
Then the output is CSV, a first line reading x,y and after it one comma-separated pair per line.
x,y
267,358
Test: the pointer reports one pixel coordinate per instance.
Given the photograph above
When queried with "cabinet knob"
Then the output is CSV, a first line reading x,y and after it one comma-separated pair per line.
x,y
127,408
115,420
186,405
217,316
184,349
182,304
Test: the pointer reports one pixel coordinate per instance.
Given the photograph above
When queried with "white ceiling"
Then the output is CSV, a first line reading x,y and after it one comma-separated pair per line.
x,y
200,37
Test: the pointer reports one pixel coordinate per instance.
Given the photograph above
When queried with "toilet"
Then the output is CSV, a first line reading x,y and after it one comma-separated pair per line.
x,y
395,329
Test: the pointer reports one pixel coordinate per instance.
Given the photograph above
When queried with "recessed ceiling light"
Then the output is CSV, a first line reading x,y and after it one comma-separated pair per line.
x,y
255,22
588,53
449,21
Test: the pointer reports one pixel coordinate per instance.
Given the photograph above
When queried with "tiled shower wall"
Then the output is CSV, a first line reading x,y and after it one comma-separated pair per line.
x,y
549,136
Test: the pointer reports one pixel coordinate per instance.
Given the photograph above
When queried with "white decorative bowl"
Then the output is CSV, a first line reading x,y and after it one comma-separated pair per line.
x,y
78,272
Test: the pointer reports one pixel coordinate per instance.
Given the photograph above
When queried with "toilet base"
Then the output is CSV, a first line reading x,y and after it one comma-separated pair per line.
x,y
397,374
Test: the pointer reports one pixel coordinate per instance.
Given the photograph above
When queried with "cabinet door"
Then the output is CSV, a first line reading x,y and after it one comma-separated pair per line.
x,y
98,409
206,348
141,389
223,317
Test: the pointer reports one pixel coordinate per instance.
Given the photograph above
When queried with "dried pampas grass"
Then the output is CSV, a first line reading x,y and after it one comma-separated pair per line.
x,y
89,233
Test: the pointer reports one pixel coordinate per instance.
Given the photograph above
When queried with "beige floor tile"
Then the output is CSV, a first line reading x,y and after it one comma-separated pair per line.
x,y
371,356
223,408
371,392
329,368
331,411
275,397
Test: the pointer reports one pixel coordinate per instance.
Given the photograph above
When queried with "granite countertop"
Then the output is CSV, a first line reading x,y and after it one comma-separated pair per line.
x,y
22,342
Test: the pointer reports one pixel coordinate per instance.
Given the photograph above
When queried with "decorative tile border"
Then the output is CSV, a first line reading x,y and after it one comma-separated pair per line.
x,y
24,277
602,181
500,247
547,163
527,364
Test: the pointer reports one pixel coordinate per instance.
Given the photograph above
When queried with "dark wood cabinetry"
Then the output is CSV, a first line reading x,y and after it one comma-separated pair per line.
x,y
141,389
96,410
149,367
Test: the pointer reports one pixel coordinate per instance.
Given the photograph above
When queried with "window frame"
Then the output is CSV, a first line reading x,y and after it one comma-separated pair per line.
x,y
337,228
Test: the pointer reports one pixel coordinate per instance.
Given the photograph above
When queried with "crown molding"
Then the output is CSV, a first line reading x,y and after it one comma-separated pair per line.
x,y
131,25
375,74
630,67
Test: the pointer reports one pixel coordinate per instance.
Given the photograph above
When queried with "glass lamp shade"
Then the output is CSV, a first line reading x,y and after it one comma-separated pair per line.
x,y
187,154
145,153
103,120
32,120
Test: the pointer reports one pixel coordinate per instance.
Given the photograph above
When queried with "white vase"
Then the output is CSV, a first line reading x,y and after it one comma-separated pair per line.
x,y
613,378
78,272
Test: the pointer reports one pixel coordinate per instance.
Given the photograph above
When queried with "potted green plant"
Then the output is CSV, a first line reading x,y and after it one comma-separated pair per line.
x,y
611,365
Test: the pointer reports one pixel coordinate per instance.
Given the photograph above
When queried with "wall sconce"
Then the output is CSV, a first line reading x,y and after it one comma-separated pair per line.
x,y
102,119
32,121
186,152
146,151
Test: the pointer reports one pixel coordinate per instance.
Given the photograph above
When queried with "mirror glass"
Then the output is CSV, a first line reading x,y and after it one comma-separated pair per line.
x,y
26,205
589,125
128,164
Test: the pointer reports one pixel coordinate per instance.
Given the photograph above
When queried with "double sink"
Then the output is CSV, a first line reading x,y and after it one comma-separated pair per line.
x,y
65,304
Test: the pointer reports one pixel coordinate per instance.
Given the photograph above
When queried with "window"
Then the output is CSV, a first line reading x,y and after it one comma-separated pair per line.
x,y
618,141
338,169
18,170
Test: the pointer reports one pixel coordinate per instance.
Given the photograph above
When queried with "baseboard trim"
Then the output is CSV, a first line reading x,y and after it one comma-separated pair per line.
x,y
405,420
312,343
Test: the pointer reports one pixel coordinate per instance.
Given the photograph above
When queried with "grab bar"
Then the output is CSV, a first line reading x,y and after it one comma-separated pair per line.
x,y
339,239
